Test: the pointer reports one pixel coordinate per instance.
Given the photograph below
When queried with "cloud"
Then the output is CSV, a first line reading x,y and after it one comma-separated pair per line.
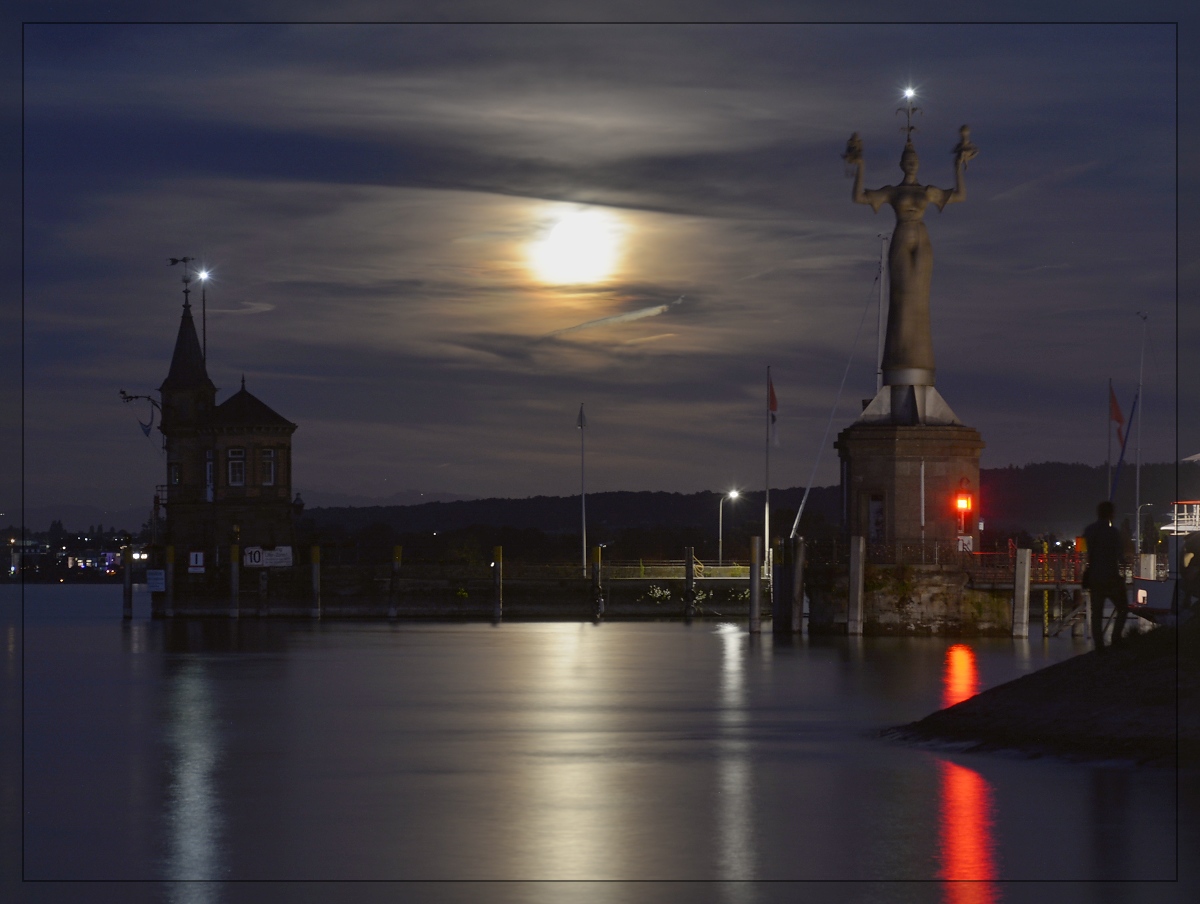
x,y
248,307
1058,177
640,314
369,194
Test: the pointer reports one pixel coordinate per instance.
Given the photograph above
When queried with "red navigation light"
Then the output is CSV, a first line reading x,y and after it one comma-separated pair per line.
x,y
962,502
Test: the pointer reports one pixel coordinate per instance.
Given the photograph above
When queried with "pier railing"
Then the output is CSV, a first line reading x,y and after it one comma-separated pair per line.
x,y
989,567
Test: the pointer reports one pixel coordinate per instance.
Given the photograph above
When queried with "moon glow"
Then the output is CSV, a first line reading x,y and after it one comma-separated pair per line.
x,y
582,247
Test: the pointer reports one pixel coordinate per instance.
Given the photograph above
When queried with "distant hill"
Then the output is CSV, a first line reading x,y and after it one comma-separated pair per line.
x,y
1061,498
560,514
1040,498
319,499
1048,497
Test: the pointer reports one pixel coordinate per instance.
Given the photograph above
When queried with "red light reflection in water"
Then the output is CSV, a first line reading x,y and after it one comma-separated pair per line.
x,y
961,679
966,849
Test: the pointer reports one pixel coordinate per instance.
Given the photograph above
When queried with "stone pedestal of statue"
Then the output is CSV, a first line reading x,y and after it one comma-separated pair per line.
x,y
894,473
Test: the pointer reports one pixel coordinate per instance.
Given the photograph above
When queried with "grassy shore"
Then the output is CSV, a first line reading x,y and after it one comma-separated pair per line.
x,y
1140,702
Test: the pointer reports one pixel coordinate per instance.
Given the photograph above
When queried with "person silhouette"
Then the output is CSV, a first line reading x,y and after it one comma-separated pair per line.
x,y
1103,577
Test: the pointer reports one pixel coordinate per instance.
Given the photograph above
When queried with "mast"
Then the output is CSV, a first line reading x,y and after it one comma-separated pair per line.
x,y
1137,480
581,423
883,249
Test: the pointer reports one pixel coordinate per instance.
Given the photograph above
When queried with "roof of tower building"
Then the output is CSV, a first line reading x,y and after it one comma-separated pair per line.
x,y
245,410
187,363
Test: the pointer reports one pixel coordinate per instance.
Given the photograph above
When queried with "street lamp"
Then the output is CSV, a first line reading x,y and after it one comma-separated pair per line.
x,y
732,494
204,316
1138,540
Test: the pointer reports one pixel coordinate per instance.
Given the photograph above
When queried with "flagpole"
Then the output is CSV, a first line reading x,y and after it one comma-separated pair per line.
x,y
582,424
879,329
1108,421
767,475
1137,480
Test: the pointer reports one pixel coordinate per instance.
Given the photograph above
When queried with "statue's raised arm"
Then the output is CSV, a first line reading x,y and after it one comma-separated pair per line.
x,y
853,156
964,152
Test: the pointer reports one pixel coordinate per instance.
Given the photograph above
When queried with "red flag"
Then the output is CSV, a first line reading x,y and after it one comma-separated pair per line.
x,y
1114,414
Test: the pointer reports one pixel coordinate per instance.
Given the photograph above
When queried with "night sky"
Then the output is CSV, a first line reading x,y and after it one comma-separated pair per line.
x,y
374,203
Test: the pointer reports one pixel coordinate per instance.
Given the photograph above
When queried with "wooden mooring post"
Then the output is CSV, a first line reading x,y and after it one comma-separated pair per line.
x,y
689,581
756,563
854,603
497,583
235,579
795,613
169,609
781,588
597,584
127,568
1020,609
316,581
394,586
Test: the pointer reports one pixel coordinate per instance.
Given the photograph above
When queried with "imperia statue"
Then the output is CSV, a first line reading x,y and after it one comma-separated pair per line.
x,y
908,344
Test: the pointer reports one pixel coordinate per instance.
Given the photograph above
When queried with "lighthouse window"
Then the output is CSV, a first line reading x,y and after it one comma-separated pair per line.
x,y
267,467
237,467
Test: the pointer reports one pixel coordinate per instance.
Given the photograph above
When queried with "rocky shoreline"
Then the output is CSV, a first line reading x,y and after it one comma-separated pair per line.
x,y
1139,703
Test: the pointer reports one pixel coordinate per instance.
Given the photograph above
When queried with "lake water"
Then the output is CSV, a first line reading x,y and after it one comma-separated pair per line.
x,y
259,760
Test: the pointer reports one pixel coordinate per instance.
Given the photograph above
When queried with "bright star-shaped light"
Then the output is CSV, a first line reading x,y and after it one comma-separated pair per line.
x,y
910,93
203,274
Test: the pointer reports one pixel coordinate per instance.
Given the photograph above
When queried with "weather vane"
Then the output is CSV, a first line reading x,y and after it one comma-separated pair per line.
x,y
908,110
187,277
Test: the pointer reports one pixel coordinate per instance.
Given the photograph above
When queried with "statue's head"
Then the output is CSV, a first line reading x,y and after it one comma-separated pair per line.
x,y
909,161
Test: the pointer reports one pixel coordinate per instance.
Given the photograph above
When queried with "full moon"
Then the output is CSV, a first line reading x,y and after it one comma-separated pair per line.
x,y
581,247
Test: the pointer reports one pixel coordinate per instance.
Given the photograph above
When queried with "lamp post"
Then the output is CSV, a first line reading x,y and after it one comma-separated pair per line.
x,y
732,494
203,274
1138,541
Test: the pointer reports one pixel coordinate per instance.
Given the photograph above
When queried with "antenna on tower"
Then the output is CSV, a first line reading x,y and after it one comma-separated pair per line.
x,y
187,276
908,110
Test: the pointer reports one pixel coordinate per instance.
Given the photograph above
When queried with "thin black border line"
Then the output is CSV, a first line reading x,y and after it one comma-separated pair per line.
x,y
597,22
1175,25
1178,852
909,881
21,454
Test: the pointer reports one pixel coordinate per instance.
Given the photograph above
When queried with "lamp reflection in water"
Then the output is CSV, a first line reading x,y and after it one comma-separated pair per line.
x,y
966,848
193,822
961,679
734,785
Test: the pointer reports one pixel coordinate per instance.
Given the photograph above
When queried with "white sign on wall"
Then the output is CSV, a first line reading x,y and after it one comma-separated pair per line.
x,y
257,557
156,580
195,563
279,557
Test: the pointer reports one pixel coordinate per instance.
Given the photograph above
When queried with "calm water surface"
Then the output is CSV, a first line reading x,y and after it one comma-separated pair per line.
x,y
354,761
